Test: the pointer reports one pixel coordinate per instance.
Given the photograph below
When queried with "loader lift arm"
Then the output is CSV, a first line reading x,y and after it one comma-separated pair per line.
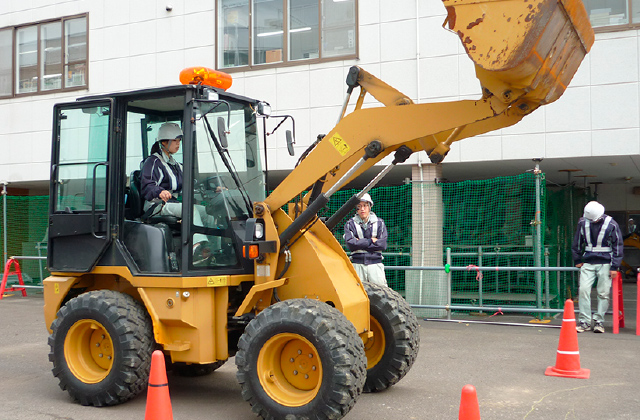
x,y
525,56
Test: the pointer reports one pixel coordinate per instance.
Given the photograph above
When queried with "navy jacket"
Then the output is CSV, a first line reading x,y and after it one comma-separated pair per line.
x,y
612,239
158,174
364,250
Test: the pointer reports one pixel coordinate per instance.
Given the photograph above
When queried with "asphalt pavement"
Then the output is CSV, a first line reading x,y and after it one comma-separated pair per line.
x,y
505,363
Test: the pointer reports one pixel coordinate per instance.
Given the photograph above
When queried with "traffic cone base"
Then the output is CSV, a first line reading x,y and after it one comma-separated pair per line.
x,y
579,374
158,401
568,356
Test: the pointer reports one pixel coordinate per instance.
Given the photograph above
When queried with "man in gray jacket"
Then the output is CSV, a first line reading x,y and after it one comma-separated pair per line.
x,y
597,250
366,237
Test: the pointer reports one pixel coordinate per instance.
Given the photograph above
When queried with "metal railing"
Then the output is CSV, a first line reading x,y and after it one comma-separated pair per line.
x,y
449,306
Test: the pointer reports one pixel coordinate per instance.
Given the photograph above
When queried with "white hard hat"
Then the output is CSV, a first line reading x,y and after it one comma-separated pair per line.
x,y
366,198
169,131
593,211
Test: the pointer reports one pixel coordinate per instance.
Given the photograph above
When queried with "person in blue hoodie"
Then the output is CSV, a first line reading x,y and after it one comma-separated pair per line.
x,y
161,181
366,237
597,250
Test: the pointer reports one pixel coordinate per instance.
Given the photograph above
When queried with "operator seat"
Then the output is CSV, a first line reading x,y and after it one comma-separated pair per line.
x,y
135,205
151,241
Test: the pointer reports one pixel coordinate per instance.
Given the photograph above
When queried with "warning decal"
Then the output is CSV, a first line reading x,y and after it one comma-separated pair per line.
x,y
216,281
341,146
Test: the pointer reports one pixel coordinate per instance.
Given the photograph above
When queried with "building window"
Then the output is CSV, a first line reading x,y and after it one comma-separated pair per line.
x,y
254,33
608,13
6,63
43,57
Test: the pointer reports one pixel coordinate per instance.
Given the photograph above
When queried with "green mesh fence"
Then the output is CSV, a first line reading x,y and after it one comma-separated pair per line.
x,y
27,221
483,223
492,223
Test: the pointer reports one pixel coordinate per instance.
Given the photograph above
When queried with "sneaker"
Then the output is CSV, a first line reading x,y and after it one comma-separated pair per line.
x,y
599,328
583,326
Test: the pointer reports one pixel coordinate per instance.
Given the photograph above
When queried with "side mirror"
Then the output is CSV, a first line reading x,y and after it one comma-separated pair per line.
x,y
290,142
222,133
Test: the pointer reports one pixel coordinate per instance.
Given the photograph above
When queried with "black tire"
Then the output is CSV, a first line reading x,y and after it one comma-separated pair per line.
x,y
192,370
94,325
301,359
389,358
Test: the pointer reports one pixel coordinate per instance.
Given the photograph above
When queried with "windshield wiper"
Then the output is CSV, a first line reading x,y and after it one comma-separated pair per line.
x,y
225,156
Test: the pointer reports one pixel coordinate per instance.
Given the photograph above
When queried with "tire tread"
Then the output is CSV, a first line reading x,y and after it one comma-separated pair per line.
x,y
134,336
332,329
406,338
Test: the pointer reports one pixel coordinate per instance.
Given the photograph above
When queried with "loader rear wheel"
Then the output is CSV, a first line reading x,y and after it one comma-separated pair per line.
x,y
301,359
101,348
396,338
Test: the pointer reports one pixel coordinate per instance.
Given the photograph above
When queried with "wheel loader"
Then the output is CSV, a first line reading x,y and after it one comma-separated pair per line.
x,y
275,289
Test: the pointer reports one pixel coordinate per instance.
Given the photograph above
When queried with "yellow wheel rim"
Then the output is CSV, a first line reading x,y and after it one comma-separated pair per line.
x,y
88,351
374,347
289,369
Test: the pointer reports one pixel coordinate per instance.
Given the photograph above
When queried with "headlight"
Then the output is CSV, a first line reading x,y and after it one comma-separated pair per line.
x,y
259,231
264,109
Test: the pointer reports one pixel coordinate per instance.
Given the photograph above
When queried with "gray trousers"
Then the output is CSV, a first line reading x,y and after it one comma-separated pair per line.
x,y
372,272
175,209
589,273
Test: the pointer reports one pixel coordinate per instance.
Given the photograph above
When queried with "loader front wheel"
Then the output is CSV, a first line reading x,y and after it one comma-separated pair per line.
x,y
101,346
301,359
396,338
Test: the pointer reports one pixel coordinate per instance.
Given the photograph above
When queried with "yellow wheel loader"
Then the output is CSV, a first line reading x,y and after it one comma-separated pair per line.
x,y
271,287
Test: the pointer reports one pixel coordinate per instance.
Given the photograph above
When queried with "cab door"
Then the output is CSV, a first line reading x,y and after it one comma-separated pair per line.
x,y
79,186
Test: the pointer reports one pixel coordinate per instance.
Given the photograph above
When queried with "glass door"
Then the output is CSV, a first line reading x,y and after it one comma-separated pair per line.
x,y
78,217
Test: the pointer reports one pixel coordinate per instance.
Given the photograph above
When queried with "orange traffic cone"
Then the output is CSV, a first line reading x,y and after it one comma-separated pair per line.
x,y
469,409
568,356
158,401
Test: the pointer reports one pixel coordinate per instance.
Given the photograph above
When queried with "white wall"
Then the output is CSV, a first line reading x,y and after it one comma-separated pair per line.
x,y
138,44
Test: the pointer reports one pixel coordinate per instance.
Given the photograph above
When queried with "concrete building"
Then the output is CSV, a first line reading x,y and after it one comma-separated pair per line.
x,y
295,54
117,45
593,130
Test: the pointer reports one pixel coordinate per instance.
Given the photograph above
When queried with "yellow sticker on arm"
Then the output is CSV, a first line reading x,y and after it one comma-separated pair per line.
x,y
341,146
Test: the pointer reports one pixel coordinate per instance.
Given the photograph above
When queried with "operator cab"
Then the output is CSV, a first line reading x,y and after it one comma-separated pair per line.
x,y
97,214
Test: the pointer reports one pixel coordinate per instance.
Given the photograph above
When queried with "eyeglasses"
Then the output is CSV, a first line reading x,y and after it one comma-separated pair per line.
x,y
362,206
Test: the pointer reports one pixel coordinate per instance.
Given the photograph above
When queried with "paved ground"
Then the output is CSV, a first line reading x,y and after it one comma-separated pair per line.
x,y
505,363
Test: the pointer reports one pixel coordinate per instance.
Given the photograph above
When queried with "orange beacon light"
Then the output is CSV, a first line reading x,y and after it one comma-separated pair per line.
x,y
205,76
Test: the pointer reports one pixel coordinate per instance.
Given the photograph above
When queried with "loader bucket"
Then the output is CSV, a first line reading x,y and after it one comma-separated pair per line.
x,y
527,49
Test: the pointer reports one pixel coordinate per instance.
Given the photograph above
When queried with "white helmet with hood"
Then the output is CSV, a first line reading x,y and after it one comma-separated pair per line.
x,y
366,198
593,211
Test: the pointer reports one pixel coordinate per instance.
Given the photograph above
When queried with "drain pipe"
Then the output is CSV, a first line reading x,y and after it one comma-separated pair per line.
x,y
538,234
422,241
